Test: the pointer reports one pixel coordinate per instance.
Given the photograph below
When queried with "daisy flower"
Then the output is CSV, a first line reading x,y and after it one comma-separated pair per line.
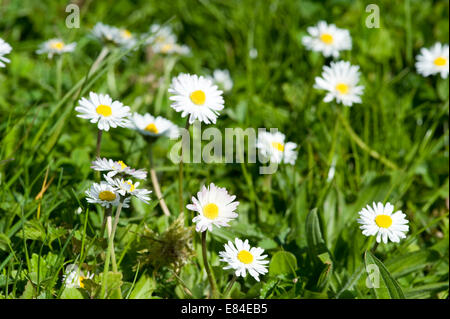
x,y
340,79
105,33
197,97
5,48
124,38
117,167
103,194
159,36
222,79
149,125
272,146
126,187
328,39
215,207
380,221
102,109
55,46
434,60
74,277
243,258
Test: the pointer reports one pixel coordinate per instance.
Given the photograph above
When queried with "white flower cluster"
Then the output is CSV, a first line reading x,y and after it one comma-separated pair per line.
x,y
116,187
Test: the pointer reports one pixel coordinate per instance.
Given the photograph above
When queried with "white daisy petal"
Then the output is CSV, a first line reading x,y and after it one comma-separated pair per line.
x,y
102,110
197,97
433,60
379,221
327,39
243,258
215,207
340,79
272,146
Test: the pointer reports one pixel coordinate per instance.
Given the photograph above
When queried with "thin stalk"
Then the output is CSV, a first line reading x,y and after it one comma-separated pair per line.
x,y
99,143
103,53
110,251
155,182
180,176
59,63
364,146
97,152
230,285
208,270
113,233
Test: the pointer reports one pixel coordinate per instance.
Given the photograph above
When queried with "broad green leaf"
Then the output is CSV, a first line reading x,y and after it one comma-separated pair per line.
x,y
32,230
113,284
283,262
29,291
72,293
143,288
314,237
380,280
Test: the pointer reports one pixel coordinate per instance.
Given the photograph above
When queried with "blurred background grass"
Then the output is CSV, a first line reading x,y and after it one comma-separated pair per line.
x,y
403,118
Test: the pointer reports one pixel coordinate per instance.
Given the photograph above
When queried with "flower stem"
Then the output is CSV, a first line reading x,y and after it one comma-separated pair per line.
x,y
59,63
110,254
97,152
155,182
180,176
230,285
113,233
99,143
208,270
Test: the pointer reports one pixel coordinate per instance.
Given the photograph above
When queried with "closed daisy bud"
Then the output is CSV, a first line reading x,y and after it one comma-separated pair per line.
x,y
55,46
215,207
5,48
340,79
113,168
243,258
434,60
149,125
272,146
380,220
197,97
74,277
101,109
327,39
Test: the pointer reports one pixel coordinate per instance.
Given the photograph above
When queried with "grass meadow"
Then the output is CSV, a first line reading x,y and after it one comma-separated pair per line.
x,y
393,147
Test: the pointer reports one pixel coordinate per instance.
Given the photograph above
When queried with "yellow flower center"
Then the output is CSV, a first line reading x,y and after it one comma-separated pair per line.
x,y
104,110
122,165
211,211
152,128
198,97
326,38
57,45
81,281
441,61
278,146
125,33
384,221
342,88
245,257
132,187
107,195
166,47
